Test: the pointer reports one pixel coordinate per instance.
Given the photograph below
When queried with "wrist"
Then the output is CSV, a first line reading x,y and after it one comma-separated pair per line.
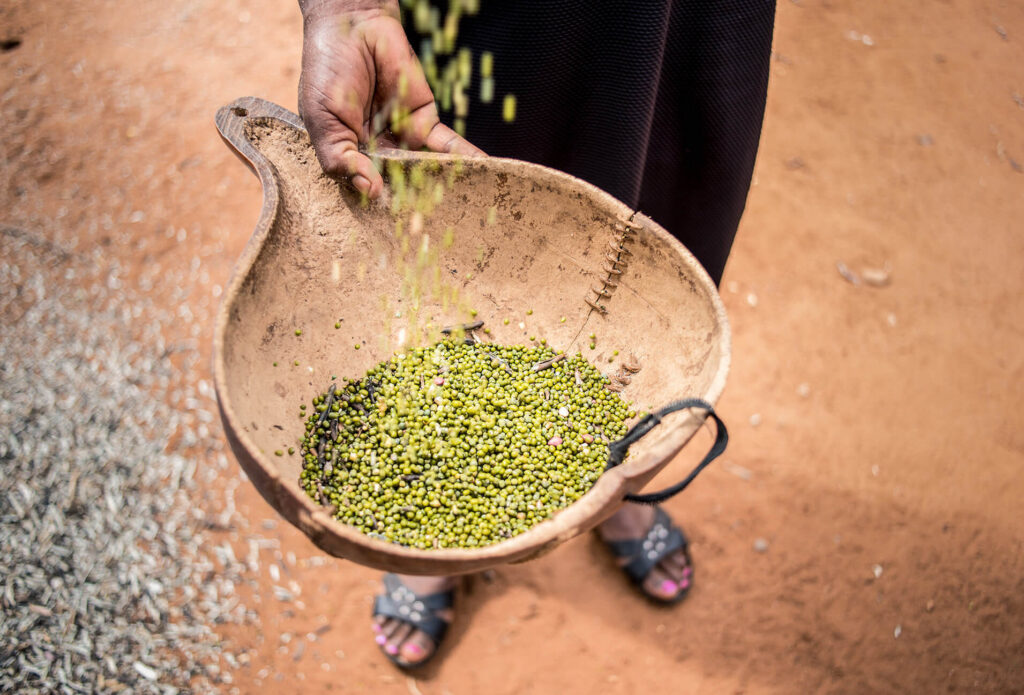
x,y
355,9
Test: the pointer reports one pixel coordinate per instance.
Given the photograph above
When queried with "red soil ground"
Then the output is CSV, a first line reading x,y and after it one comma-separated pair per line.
x,y
878,432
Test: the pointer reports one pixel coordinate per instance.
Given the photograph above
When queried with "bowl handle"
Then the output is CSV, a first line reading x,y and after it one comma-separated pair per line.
x,y
617,449
231,121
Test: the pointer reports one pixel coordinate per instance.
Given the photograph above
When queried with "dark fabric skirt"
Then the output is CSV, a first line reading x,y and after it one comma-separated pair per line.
x,y
658,102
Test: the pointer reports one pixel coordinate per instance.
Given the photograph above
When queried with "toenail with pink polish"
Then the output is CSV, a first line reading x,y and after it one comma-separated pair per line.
x,y
415,650
391,649
377,628
668,586
380,639
684,583
687,571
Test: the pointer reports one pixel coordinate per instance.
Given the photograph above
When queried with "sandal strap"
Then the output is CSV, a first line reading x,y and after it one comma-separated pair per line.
x,y
661,540
400,603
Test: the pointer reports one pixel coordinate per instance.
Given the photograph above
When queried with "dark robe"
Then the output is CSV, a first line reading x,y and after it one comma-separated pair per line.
x,y
658,102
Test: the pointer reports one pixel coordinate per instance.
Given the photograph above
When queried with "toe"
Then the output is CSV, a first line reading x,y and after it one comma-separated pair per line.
x,y
397,638
389,627
660,585
417,648
677,567
379,623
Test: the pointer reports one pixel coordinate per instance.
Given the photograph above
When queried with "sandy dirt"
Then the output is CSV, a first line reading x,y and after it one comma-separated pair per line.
x,y
864,532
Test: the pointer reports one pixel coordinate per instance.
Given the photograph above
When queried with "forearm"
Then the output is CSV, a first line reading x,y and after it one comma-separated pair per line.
x,y
328,8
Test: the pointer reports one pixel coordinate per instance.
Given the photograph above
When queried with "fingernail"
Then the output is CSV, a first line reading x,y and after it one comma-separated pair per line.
x,y
415,650
380,639
668,586
361,183
684,583
391,649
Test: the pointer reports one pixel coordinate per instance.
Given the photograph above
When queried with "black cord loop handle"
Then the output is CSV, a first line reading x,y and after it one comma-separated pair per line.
x,y
617,450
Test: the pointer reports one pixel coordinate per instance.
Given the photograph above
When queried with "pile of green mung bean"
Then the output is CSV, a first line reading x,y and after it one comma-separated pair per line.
x,y
460,445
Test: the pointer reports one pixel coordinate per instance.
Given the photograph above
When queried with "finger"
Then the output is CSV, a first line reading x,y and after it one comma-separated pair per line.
x,y
400,76
337,149
333,102
441,138
423,128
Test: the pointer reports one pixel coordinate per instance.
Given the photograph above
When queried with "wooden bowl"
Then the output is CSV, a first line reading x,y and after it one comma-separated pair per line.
x,y
527,238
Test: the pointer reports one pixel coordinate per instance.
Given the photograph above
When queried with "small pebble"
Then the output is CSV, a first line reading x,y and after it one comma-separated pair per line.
x,y
761,545
146,672
755,420
737,470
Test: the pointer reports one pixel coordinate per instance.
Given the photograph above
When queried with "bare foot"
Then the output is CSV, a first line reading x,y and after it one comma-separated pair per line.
x,y
670,577
400,639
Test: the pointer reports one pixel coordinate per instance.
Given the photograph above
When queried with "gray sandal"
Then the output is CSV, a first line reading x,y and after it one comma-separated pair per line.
x,y
661,540
400,603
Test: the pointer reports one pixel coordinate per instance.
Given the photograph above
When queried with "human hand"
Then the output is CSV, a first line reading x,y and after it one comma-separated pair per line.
x,y
361,82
